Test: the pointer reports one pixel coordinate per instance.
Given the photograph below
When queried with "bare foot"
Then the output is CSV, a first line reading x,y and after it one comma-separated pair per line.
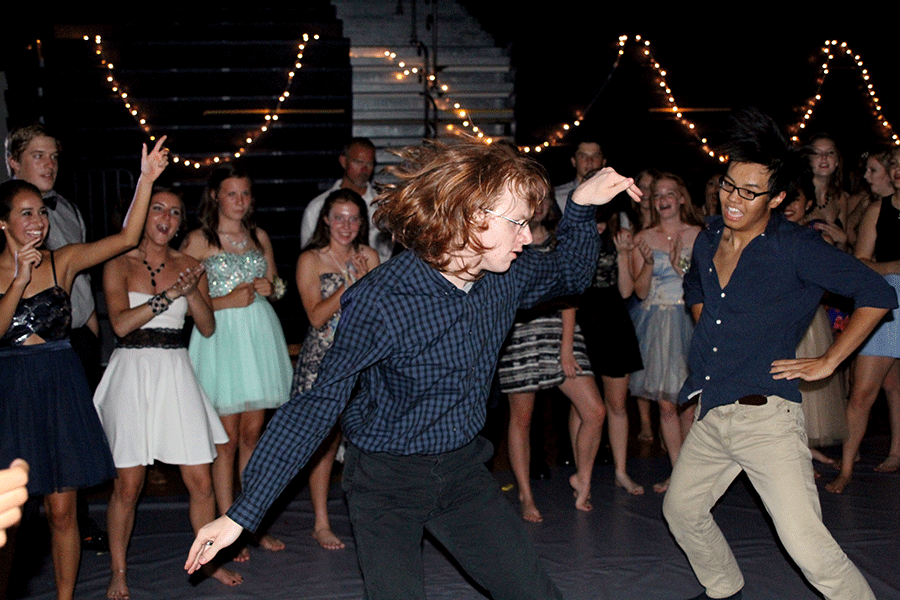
x,y
227,576
624,481
530,512
327,539
646,435
243,555
118,588
272,544
661,487
582,494
837,486
890,464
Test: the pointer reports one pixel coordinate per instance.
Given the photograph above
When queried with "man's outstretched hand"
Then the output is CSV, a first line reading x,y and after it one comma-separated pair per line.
x,y
603,186
211,538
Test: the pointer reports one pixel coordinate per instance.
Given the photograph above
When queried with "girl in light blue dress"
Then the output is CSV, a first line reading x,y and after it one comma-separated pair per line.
x,y
661,321
244,366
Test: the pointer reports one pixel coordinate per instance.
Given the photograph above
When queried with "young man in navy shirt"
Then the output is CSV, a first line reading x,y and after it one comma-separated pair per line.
x,y
412,364
754,284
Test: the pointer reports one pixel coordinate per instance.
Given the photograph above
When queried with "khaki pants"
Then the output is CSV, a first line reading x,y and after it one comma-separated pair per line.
x,y
769,443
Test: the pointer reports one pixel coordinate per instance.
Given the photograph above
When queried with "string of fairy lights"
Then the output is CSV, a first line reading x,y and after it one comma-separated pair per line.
x,y
269,119
671,106
440,91
464,123
832,49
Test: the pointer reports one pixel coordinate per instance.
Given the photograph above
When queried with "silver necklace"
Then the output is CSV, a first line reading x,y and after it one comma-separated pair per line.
x,y
239,245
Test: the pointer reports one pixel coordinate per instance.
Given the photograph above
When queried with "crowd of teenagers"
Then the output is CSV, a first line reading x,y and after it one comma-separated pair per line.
x,y
608,287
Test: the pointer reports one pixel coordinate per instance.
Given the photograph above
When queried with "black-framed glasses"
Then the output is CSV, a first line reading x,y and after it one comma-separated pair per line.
x,y
744,193
520,224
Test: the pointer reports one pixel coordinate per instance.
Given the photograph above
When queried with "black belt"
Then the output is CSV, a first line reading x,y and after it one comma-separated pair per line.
x,y
753,400
169,339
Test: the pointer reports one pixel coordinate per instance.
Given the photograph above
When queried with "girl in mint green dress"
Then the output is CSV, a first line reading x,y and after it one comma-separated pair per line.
x,y
243,367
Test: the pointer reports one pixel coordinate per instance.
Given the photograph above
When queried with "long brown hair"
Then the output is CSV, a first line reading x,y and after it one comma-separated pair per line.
x,y
835,185
321,236
208,213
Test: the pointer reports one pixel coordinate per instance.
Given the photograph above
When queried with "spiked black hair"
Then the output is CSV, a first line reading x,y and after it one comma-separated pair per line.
x,y
753,137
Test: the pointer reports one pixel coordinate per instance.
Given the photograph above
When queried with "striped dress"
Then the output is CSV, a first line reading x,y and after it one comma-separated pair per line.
x,y
529,360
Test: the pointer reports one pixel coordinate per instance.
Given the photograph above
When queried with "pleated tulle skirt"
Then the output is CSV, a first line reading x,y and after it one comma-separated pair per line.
x,y
664,335
47,417
885,340
244,365
825,400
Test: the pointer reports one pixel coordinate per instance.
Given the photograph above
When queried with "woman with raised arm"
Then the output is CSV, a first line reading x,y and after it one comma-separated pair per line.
x,y
877,365
243,366
45,402
149,401
663,325
334,260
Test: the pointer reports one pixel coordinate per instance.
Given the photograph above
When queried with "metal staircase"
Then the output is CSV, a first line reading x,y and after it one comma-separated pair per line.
x,y
437,38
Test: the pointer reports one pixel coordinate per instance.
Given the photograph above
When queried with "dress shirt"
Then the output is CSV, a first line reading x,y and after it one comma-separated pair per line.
x,y
562,193
67,227
420,355
765,309
381,242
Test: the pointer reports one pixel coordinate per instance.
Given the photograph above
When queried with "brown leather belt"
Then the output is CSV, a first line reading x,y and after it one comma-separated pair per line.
x,y
753,400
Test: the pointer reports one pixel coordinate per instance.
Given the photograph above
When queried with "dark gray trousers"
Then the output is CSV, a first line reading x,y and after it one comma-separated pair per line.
x,y
394,499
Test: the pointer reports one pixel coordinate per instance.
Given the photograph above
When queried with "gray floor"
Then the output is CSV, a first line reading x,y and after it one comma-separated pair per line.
x,y
622,550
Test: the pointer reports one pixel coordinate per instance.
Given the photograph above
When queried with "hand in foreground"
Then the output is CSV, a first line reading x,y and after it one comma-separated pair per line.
x,y
186,282
13,495
807,369
211,538
359,265
603,186
624,241
263,287
569,365
154,163
832,233
646,251
242,295
28,258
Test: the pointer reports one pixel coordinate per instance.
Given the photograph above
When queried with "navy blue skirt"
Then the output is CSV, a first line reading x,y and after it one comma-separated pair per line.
x,y
48,418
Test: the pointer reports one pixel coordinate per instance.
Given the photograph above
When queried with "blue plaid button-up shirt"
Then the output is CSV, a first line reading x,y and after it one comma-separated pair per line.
x,y
420,355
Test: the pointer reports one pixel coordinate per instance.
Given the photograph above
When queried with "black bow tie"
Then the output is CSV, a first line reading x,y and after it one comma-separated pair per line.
x,y
50,201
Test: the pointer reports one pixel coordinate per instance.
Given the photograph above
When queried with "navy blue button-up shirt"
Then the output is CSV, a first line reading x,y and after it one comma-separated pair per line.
x,y
420,355
763,312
